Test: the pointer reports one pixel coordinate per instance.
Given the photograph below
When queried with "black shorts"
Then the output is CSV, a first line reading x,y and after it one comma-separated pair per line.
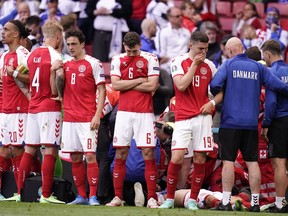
x,y
278,138
230,140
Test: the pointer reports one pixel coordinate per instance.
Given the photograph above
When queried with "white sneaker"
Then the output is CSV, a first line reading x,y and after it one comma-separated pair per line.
x,y
2,197
139,195
116,202
152,203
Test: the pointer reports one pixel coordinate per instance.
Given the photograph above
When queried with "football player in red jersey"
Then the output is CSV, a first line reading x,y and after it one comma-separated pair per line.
x,y
83,76
135,74
191,73
44,116
13,65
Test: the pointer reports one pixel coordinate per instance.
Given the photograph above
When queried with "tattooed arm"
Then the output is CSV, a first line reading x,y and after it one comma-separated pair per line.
x,y
60,82
24,88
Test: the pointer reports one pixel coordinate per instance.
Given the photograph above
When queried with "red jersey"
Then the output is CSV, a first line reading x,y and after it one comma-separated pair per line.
x,y
81,80
111,100
195,96
127,68
14,101
39,64
139,9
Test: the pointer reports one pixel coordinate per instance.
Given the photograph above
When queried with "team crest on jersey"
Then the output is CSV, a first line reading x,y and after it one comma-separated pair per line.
x,y
140,64
263,154
174,68
124,64
11,61
82,68
203,70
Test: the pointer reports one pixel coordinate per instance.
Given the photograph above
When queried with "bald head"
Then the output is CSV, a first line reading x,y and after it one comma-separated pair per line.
x,y
146,23
148,27
23,11
234,47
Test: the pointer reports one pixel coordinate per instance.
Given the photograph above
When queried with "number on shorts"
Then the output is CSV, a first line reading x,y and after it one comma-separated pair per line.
x,y
13,136
73,78
35,81
148,138
89,143
207,142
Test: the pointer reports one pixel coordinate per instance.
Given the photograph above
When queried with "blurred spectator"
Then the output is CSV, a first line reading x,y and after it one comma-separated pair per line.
x,y
250,17
272,30
210,29
138,15
110,24
52,12
67,22
65,7
85,24
157,10
21,12
188,11
33,23
248,37
207,9
219,57
148,28
8,6
165,87
173,40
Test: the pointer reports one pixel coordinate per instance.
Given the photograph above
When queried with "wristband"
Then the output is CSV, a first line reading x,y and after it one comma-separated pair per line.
x,y
15,73
213,102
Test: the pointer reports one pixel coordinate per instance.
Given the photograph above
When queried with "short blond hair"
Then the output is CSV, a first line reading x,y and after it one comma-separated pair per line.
x,y
51,28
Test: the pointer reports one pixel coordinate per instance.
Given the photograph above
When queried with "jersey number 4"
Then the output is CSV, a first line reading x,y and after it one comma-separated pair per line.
x,y
35,81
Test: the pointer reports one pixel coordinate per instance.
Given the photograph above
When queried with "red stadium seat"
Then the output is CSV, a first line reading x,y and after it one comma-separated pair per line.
x,y
224,8
283,8
226,23
238,6
284,24
260,9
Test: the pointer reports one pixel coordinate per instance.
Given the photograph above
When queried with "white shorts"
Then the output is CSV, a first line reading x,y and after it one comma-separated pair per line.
x,y
139,126
77,137
194,134
13,127
44,128
201,197
1,129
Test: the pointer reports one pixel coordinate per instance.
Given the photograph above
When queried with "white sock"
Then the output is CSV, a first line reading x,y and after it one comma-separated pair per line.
x,y
226,197
254,199
279,202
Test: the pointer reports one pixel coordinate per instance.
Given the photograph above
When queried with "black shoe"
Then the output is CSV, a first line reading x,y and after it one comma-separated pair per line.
x,y
275,209
254,208
222,207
